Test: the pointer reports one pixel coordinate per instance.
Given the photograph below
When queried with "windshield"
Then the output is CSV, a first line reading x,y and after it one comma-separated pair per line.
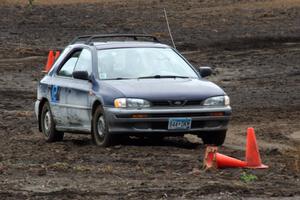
x,y
132,63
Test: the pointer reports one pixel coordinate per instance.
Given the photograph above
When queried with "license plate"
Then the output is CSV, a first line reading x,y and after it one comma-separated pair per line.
x,y
180,123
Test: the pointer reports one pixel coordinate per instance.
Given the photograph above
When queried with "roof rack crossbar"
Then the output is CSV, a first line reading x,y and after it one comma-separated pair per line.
x,y
80,38
87,39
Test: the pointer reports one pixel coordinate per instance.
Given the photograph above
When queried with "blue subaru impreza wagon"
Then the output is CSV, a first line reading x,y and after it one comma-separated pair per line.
x,y
122,85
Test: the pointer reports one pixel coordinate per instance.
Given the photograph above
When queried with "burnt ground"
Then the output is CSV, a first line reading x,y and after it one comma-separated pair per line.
x,y
254,48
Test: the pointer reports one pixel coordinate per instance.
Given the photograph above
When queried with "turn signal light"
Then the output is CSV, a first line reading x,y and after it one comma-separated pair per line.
x,y
139,116
217,114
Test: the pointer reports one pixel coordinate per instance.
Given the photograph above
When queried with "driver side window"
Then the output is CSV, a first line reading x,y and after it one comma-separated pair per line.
x,y
84,62
69,65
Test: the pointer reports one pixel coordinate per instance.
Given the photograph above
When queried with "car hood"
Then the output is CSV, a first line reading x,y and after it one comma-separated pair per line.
x,y
164,89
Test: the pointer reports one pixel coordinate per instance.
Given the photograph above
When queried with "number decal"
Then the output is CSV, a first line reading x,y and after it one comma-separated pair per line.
x,y
55,93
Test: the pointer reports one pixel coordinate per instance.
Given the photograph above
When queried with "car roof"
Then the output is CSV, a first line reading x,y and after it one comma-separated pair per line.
x,y
116,45
105,42
128,44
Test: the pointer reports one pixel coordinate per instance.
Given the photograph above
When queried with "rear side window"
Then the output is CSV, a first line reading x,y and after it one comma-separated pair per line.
x,y
68,67
84,62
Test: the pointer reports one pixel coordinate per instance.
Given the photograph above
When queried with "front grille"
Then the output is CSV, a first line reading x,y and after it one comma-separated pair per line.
x,y
178,103
193,103
160,103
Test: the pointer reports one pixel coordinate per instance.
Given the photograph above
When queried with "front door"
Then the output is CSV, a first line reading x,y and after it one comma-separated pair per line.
x,y
78,95
59,90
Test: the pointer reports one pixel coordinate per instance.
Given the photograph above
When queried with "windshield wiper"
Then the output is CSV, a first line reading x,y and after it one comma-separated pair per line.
x,y
162,76
118,78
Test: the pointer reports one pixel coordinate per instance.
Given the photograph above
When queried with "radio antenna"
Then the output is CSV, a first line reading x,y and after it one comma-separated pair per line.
x,y
170,33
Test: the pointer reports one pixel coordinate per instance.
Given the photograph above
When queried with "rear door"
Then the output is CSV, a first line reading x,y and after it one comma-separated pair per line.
x,y
78,95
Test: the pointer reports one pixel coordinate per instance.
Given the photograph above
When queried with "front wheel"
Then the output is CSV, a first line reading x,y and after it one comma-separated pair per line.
x,y
100,134
214,138
48,125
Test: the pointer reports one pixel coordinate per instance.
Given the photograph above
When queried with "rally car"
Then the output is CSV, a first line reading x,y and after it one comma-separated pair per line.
x,y
122,85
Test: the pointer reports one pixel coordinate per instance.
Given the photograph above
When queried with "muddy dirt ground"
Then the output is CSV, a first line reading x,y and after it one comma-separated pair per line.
x,y
254,48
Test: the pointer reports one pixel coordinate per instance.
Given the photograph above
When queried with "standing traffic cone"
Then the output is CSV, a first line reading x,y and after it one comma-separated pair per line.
x,y
252,154
57,53
213,159
50,61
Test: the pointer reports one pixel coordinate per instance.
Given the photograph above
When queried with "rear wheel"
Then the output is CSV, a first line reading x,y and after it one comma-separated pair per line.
x,y
100,133
48,125
214,138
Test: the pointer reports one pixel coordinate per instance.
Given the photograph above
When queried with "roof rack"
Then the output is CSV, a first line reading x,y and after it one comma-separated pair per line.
x,y
88,39
80,39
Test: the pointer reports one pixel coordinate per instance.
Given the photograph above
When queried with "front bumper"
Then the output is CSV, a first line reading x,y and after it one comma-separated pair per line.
x,y
156,120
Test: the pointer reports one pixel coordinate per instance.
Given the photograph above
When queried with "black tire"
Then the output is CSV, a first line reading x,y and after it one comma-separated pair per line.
x,y
214,138
100,134
48,125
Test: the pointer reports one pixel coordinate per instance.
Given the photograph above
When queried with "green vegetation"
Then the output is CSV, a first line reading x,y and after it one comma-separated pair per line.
x,y
30,2
245,177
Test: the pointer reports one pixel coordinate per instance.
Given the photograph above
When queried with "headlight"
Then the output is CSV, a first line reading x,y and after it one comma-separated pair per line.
x,y
131,103
217,101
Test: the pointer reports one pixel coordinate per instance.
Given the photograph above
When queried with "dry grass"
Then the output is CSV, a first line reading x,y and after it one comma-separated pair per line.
x,y
269,4
233,7
56,2
236,7
59,166
250,5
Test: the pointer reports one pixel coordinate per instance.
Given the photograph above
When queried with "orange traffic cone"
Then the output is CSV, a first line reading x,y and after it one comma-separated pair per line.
x,y
252,154
57,53
209,161
50,61
212,159
226,161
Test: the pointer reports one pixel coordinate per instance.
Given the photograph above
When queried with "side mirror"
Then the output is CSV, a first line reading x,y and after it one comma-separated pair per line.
x,y
83,75
205,71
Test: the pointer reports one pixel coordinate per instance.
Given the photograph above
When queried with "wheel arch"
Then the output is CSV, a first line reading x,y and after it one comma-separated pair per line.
x,y
42,103
96,103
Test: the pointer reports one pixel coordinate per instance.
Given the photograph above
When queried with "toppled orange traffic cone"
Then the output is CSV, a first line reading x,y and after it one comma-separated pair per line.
x,y
252,153
209,161
224,161
50,61
214,160
57,53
